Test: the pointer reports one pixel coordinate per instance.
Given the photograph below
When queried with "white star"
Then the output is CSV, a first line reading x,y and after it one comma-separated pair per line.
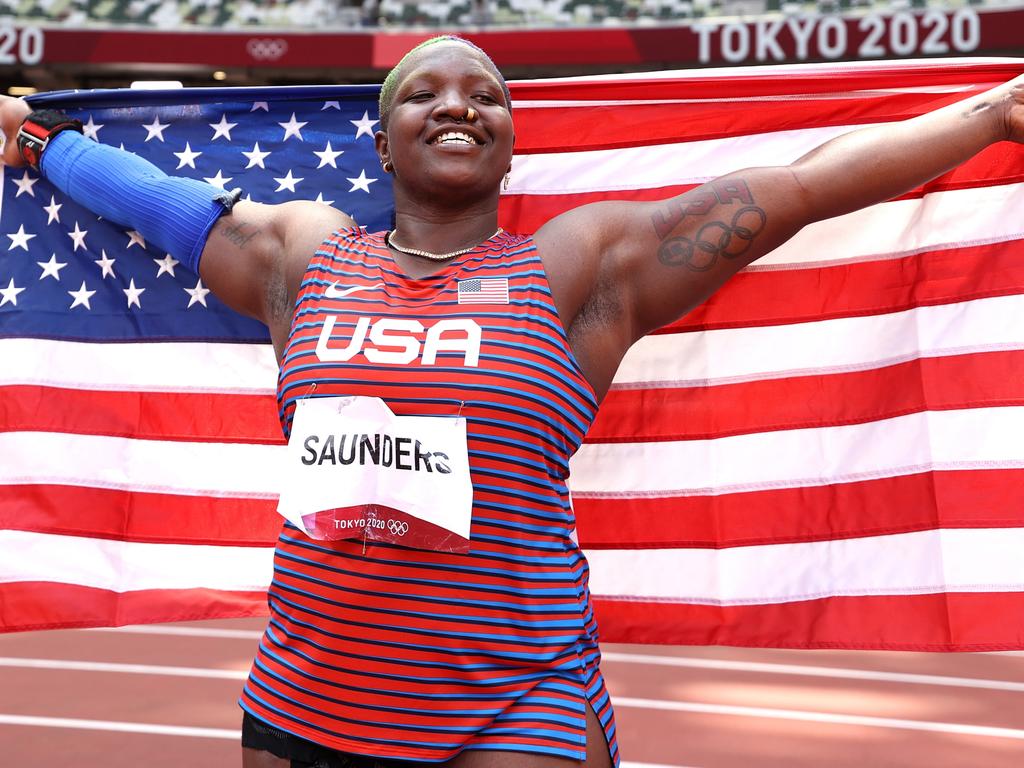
x,y
320,199
293,128
133,294
155,130
135,238
362,183
287,182
256,157
365,125
20,238
219,180
53,210
92,129
328,156
187,157
52,267
331,105
197,294
78,237
223,128
106,264
10,293
24,184
81,297
260,105
166,264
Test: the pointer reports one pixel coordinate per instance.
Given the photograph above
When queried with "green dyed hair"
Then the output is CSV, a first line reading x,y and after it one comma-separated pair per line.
x,y
387,90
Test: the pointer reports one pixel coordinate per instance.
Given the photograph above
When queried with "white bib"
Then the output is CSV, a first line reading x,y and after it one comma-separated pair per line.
x,y
355,470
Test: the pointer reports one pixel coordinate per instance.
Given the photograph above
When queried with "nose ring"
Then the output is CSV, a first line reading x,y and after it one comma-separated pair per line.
x,y
471,115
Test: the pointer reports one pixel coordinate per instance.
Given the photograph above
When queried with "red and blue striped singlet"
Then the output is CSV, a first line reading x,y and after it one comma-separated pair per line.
x,y
395,652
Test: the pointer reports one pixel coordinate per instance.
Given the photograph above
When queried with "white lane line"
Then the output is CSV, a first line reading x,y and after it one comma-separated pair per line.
x,y
820,717
137,669
110,725
230,634
810,671
672,661
173,730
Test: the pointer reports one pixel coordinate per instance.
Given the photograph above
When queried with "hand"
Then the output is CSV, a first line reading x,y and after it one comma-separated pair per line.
x,y
12,113
1015,110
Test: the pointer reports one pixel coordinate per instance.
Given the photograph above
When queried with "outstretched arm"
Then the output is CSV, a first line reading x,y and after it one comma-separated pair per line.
x,y
653,262
251,256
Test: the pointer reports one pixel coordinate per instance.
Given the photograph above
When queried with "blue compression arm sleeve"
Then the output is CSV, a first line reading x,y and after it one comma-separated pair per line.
x,y
174,213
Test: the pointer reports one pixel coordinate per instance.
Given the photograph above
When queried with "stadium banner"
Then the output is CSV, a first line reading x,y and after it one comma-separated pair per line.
x,y
769,39
826,454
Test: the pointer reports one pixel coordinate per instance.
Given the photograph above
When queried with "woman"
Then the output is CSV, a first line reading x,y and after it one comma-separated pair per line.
x,y
379,653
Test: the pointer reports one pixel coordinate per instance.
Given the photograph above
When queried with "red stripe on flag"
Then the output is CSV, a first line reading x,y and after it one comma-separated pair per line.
x,y
35,605
142,517
541,130
771,82
928,500
958,621
143,415
529,212
699,413
771,297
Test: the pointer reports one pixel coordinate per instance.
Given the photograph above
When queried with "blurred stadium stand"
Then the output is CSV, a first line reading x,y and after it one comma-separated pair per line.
x,y
319,14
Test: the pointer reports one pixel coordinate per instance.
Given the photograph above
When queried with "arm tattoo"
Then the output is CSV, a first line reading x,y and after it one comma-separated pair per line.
x,y
729,238
239,234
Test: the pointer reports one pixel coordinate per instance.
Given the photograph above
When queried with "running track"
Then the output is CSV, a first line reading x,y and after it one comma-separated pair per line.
x,y
164,696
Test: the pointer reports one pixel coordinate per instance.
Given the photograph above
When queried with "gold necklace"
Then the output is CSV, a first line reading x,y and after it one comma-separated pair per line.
x,y
389,241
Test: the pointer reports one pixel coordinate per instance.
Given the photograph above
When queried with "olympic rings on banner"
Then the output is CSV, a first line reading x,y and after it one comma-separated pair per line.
x,y
398,527
266,48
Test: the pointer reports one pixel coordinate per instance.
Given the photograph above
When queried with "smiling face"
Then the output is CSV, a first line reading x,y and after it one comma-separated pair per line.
x,y
429,141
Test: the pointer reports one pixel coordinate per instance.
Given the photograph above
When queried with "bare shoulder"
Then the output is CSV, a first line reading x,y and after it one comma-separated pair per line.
x,y
304,225
584,274
307,222
570,247
256,255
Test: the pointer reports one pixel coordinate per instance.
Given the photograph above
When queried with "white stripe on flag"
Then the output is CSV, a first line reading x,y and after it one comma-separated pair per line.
x,y
949,560
127,566
731,355
960,560
973,438
905,227
156,466
691,359
147,366
659,165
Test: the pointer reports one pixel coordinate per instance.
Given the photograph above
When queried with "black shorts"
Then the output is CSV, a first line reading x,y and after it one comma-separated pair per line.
x,y
302,753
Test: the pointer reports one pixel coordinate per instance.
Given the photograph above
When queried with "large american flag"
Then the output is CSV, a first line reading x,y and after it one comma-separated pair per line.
x,y
826,454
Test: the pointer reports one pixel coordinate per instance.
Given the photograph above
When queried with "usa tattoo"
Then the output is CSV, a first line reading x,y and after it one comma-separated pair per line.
x,y
237,234
726,238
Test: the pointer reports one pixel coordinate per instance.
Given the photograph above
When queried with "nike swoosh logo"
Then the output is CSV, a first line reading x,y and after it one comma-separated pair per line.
x,y
334,292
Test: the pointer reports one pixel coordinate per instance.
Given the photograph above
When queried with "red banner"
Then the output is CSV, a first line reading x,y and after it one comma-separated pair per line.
x,y
769,40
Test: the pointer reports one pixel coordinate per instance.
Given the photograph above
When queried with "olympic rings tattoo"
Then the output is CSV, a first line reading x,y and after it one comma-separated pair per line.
x,y
714,239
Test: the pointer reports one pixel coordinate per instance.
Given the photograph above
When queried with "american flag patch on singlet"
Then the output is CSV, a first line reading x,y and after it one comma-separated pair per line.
x,y
493,290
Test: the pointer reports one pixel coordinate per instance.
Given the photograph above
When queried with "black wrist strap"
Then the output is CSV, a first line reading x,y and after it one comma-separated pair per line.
x,y
38,129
